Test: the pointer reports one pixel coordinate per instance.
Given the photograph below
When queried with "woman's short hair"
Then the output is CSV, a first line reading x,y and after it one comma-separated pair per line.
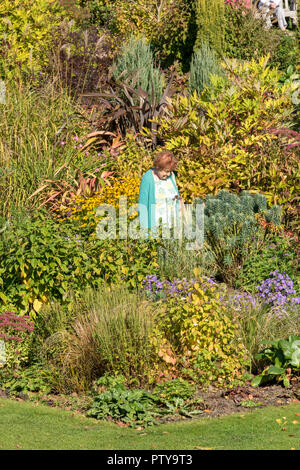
x,y
165,160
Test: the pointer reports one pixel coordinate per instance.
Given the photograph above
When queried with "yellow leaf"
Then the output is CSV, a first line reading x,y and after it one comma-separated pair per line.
x,y
37,305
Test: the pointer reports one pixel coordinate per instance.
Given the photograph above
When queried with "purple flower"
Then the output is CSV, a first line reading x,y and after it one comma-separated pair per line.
x,y
277,290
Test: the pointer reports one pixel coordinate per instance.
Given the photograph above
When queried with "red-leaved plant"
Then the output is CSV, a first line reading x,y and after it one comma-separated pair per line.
x,y
10,321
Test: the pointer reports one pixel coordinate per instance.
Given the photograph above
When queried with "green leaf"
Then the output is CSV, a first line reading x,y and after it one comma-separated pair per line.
x,y
273,370
286,382
256,381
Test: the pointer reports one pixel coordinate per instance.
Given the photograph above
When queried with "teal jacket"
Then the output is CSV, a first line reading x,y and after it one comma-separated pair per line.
x,y
147,200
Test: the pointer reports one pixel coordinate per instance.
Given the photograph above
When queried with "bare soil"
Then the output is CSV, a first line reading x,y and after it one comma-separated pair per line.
x,y
224,402
215,401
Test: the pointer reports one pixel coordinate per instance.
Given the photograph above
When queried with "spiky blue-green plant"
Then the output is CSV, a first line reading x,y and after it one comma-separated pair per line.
x,y
230,225
135,64
204,63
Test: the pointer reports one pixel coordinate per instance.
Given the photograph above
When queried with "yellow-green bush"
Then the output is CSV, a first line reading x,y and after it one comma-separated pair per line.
x,y
224,137
25,28
200,335
210,22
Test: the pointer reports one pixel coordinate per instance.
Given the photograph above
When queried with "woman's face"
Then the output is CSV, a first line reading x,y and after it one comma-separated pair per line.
x,y
163,174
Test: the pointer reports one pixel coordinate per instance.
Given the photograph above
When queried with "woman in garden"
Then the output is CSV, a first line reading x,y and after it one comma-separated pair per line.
x,y
158,195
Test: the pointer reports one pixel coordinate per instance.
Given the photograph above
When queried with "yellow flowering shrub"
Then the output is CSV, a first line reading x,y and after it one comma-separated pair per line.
x,y
83,209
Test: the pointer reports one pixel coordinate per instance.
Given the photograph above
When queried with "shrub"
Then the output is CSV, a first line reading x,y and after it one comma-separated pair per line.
x,y
26,31
202,336
210,23
230,224
246,37
168,25
203,64
41,260
245,33
224,136
135,65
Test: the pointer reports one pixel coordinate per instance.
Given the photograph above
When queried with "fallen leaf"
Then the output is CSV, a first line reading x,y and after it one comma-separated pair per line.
x,y
144,434
291,435
278,421
166,432
154,447
207,411
139,428
203,448
295,422
283,429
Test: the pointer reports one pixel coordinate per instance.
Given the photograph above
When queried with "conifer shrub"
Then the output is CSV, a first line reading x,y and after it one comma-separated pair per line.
x,y
210,23
135,64
203,64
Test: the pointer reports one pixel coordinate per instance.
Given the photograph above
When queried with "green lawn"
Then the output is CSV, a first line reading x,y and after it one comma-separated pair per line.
x,y
28,426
